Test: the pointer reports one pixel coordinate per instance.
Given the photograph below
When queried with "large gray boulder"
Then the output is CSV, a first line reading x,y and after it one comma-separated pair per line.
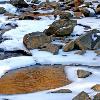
x,y
89,41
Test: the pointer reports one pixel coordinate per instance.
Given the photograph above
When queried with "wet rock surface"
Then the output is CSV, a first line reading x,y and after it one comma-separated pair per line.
x,y
33,79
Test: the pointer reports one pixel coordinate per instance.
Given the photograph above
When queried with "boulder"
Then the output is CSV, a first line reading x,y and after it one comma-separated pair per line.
x,y
50,48
65,15
97,96
82,96
63,27
97,46
34,41
87,42
19,3
98,9
85,11
26,18
62,91
2,10
69,46
83,73
96,87
33,79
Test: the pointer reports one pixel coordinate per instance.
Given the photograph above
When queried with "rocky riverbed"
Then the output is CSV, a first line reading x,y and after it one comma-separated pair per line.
x,y
50,49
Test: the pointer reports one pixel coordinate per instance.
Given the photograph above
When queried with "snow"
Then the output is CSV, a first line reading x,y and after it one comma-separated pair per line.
x,y
9,8
66,58
90,21
4,0
98,34
89,59
15,62
78,30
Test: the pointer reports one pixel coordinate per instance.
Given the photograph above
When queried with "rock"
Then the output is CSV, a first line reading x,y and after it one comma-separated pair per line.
x,y
8,54
65,15
97,52
33,79
19,3
34,41
26,17
69,46
78,14
62,91
2,10
88,4
86,41
97,46
80,52
96,87
82,96
85,11
78,2
5,99
95,1
50,48
35,1
97,96
29,16
63,27
83,73
98,9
